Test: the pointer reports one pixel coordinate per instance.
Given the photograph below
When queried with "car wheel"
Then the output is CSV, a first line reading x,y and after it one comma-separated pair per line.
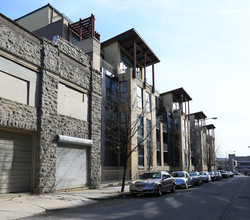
x,y
159,190
134,194
173,188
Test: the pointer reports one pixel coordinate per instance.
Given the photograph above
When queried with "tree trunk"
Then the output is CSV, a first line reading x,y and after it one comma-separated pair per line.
x,y
124,175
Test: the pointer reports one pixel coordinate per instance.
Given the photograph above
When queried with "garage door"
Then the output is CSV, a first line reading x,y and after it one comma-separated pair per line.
x,y
71,166
15,162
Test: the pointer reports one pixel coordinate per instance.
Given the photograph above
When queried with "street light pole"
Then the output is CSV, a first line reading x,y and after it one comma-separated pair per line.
x,y
214,118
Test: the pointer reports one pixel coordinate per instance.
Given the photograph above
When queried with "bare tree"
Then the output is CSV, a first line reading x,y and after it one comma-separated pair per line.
x,y
209,153
123,122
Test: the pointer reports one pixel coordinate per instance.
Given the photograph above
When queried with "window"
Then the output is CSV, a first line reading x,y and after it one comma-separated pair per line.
x,y
148,102
141,155
123,120
111,154
165,158
111,89
176,124
140,126
139,97
138,73
18,83
149,128
72,102
125,62
123,92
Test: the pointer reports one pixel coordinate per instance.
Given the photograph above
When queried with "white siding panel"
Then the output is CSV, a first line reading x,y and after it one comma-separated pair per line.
x,y
71,166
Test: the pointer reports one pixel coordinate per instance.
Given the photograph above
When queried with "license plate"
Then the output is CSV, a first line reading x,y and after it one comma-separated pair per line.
x,y
140,190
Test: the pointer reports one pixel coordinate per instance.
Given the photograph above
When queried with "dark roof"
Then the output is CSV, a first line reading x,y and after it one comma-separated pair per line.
x,y
48,5
211,126
199,115
126,41
178,95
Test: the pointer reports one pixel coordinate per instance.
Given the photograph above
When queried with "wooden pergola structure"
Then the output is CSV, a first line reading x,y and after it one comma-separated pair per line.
x,y
84,28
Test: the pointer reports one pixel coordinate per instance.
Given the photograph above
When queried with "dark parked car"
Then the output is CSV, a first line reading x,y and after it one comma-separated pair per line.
x,y
183,180
153,183
212,176
196,177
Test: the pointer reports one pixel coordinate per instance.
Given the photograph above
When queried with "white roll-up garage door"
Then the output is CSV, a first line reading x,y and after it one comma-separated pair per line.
x,y
71,166
15,162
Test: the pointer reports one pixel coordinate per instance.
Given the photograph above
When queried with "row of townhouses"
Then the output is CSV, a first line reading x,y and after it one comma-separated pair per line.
x,y
74,111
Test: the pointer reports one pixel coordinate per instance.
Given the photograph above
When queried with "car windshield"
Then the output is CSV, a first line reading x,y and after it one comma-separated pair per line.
x,y
175,174
156,175
193,174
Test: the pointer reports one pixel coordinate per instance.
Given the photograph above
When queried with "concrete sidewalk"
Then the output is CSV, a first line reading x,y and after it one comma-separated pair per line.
x,y
20,205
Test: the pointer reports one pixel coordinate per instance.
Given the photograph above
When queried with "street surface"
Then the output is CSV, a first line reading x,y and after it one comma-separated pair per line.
x,y
226,199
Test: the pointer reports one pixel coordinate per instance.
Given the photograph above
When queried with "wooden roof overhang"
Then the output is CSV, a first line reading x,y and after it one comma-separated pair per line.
x,y
199,115
127,40
210,126
179,95
137,48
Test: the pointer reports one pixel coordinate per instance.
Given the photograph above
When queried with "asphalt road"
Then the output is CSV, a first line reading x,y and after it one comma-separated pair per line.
x,y
225,199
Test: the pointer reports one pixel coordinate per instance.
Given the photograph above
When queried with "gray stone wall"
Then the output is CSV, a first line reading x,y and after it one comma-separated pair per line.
x,y
54,61
95,162
72,127
47,131
20,43
16,115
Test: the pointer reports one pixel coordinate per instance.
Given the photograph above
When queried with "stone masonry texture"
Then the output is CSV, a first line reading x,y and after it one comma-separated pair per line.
x,y
53,61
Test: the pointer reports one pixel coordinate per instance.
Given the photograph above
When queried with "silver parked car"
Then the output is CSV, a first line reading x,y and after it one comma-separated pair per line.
x,y
183,180
205,176
153,183
196,177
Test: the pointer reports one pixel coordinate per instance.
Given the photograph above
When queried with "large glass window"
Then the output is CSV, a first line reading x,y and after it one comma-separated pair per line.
x,y
176,124
141,155
140,126
139,73
111,89
158,147
125,62
149,143
123,92
149,128
139,97
148,102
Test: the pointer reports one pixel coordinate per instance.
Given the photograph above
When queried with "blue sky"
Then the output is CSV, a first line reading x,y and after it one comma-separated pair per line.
x,y
203,45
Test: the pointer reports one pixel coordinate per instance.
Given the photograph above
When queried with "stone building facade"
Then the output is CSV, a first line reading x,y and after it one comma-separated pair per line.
x,y
50,111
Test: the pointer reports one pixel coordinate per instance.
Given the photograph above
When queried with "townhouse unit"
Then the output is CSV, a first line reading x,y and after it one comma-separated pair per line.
x,y
198,140
50,110
125,85
176,104
202,142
